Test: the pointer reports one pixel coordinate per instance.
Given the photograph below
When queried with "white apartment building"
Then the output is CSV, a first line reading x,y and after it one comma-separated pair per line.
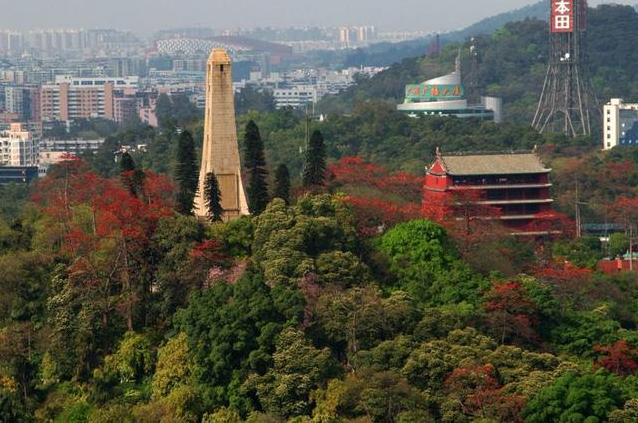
x,y
17,147
620,124
295,97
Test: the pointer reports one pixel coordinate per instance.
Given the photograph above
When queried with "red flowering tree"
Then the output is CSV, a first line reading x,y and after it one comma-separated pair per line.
x,y
619,358
208,263
105,230
569,283
380,199
375,215
553,225
511,314
467,217
478,390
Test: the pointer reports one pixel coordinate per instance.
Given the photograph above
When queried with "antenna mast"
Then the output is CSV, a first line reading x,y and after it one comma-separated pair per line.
x,y
567,100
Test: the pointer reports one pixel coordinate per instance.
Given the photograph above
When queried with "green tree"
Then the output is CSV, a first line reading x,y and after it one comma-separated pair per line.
x,y
629,412
186,173
255,163
618,245
126,163
223,415
132,361
298,370
231,331
430,363
378,396
427,265
213,198
288,239
576,398
344,269
253,99
164,111
174,367
282,183
174,239
132,177
360,318
314,171
579,332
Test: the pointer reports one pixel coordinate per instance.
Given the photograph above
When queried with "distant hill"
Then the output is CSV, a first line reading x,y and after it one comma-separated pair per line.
x,y
490,25
385,54
514,63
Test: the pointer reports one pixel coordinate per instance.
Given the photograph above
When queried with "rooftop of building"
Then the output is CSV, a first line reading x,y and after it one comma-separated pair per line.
x,y
491,163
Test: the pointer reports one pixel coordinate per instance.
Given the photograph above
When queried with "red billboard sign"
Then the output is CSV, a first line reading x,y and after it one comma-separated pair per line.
x,y
562,15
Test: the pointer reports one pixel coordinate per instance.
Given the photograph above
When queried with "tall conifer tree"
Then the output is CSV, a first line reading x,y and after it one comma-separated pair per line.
x,y
314,172
282,183
255,163
132,177
213,198
186,173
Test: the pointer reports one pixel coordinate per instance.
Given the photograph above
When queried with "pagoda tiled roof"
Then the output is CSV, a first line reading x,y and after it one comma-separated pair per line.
x,y
472,164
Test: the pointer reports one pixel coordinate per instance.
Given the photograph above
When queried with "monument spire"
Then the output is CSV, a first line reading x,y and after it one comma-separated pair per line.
x,y
220,154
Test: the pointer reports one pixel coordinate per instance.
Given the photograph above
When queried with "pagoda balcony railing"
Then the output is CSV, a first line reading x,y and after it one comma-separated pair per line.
x,y
502,186
516,201
506,180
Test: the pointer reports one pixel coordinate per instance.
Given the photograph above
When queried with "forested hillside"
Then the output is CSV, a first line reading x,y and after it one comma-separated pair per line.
x,y
513,63
342,298
116,308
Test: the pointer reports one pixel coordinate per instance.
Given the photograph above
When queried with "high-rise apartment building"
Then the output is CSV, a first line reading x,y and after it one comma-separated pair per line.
x,y
356,35
23,101
11,43
82,98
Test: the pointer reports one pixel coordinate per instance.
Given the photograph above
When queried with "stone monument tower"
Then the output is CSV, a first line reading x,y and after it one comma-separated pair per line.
x,y
221,151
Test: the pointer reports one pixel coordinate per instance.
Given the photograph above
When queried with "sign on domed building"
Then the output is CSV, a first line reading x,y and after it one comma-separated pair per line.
x,y
445,96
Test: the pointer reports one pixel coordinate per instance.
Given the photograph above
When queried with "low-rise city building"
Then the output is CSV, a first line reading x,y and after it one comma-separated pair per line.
x,y
296,96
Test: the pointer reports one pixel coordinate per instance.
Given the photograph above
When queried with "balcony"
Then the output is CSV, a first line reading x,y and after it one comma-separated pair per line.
x,y
515,201
502,186
503,181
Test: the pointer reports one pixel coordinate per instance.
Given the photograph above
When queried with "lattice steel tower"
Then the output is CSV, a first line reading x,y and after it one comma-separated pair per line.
x,y
567,99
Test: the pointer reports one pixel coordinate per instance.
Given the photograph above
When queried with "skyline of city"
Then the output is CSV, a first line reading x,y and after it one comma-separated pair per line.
x,y
163,14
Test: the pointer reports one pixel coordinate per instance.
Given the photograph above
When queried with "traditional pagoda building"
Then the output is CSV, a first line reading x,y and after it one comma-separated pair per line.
x,y
512,187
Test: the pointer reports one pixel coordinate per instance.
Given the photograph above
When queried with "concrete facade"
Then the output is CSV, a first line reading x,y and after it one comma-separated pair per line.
x,y
221,150
17,147
620,124
82,98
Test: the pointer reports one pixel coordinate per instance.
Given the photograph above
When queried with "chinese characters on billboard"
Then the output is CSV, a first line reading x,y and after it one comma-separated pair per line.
x,y
562,15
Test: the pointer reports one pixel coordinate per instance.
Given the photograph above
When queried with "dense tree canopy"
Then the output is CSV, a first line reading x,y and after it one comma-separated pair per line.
x,y
343,306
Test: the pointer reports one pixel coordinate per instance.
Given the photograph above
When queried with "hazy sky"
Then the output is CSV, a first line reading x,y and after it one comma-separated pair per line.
x,y
148,15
